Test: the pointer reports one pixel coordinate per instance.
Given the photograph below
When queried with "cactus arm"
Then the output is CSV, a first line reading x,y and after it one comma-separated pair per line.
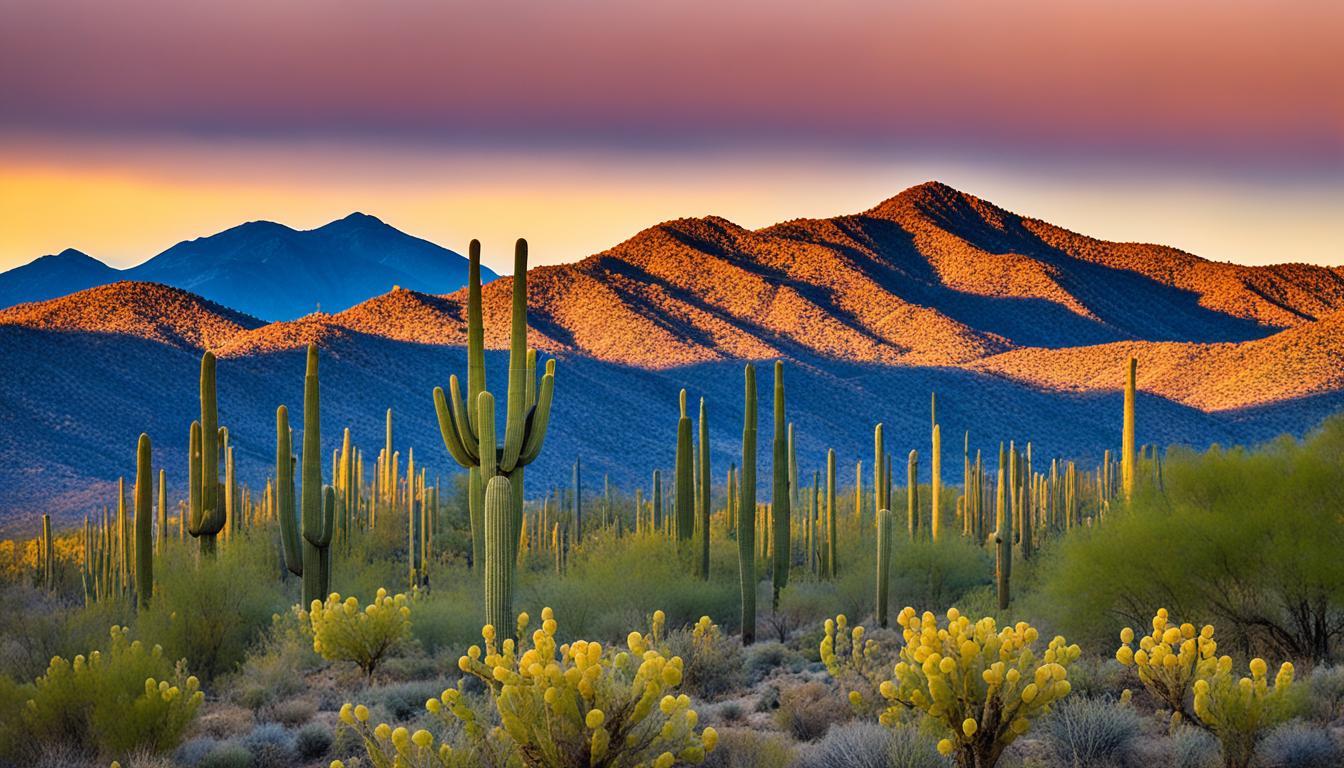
x,y
540,418
448,428
475,336
464,417
284,493
517,391
485,427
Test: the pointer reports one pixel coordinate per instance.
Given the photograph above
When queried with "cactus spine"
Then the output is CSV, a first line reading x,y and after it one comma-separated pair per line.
x,y
317,508
883,563
746,514
144,523
1128,468
685,483
528,405
779,500
703,499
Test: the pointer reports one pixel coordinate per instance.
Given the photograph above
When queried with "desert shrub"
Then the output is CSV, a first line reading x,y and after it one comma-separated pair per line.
x,y
1097,678
743,748
1086,732
1298,745
211,612
981,685
714,663
39,625
808,710
290,712
404,700
271,746
447,619
114,702
1175,661
764,658
226,754
1325,702
312,741
343,632
869,745
928,573
193,751
1259,535
1190,747
557,705
12,699
273,669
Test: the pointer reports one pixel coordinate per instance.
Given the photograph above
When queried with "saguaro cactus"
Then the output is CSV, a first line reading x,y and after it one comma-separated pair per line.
x,y
578,500
1128,447
1003,535
703,499
163,512
318,507
830,514
936,483
284,493
207,518
685,500
499,562
528,409
912,494
883,563
144,523
779,500
746,517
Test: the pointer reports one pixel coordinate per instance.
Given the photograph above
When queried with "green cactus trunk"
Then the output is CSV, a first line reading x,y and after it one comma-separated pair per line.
x,y
746,514
831,567
578,500
684,502
144,523
704,489
163,512
912,495
780,492
1128,468
318,516
884,526
499,562
1003,534
936,484
291,544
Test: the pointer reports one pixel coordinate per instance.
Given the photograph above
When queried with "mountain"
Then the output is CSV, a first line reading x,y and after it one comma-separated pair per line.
x,y
265,269
48,277
1020,327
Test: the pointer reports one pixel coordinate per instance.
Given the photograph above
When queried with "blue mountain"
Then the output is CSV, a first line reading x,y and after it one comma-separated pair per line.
x,y
266,269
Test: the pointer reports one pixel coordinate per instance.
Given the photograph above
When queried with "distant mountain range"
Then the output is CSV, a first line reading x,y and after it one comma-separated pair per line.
x,y
264,269
1021,328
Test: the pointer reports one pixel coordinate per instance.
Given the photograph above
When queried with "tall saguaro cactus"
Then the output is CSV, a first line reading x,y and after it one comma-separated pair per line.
x,y
284,493
936,482
1128,446
318,507
883,563
702,500
528,404
1003,534
779,501
144,522
499,565
746,510
208,516
685,483
830,514
912,494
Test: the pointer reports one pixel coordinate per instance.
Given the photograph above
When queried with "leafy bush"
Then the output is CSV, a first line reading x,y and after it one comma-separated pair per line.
x,y
1085,732
342,632
1259,537
271,746
575,704
1297,745
120,700
808,710
982,685
211,612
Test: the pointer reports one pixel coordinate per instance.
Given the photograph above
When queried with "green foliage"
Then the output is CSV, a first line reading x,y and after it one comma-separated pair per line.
x,y
344,632
751,748
808,710
116,701
714,663
1259,536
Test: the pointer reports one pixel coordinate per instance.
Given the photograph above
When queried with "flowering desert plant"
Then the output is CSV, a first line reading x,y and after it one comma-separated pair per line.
x,y
983,684
123,699
1179,666
559,706
344,632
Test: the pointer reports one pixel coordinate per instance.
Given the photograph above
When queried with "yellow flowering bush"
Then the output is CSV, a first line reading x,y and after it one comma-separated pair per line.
x,y
559,706
1176,664
125,698
852,660
343,632
985,685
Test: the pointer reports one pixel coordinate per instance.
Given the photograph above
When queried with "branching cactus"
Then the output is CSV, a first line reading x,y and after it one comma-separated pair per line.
x,y
528,409
318,510
207,514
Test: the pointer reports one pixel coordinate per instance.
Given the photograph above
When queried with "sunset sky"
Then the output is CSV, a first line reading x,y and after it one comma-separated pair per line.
x,y
1217,127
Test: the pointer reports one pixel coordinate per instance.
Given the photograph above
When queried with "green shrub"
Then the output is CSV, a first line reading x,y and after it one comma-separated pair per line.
x,y
808,710
227,754
210,612
271,746
869,745
273,670
714,662
313,741
764,658
343,632
749,748
116,701
13,698
1297,745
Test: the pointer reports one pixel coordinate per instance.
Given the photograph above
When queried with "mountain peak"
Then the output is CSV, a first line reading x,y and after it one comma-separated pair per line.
x,y
71,254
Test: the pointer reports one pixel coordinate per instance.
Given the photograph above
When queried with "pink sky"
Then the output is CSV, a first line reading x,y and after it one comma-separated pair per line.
x,y
182,107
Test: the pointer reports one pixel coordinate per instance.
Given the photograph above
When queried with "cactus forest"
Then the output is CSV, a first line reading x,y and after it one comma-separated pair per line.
x,y
387,606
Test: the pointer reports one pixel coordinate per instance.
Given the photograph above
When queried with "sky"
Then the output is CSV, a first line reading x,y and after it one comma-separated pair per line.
x,y
1216,127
